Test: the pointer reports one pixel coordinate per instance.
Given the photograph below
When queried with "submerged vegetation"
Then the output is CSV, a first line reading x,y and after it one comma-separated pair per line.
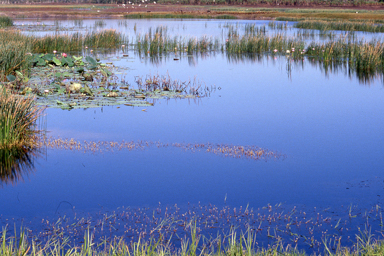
x,y
233,151
205,230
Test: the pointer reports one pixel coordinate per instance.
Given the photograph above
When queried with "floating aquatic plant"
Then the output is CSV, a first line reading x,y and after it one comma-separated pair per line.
x,y
233,151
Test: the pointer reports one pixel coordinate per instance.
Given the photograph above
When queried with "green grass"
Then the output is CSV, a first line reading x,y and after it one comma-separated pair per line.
x,y
18,116
340,25
16,48
5,21
233,244
158,42
166,16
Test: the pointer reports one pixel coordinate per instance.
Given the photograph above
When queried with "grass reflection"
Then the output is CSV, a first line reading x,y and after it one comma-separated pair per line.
x,y
16,163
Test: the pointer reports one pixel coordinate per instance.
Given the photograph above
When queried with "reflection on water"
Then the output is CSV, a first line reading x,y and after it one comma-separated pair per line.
x,y
16,163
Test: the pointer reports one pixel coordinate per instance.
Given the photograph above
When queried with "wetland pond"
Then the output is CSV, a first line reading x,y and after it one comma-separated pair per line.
x,y
323,128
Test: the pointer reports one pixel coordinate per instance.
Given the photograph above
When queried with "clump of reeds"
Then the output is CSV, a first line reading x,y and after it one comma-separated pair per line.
x,y
260,44
340,25
234,243
5,22
14,53
18,117
16,48
109,38
361,56
159,42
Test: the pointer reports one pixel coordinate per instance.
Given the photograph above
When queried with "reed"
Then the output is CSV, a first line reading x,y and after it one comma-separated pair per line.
x,y
14,49
5,22
231,244
262,44
18,116
158,42
166,16
341,25
76,42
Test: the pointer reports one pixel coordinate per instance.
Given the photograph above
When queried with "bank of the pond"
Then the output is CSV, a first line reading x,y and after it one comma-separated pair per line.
x,y
234,243
174,10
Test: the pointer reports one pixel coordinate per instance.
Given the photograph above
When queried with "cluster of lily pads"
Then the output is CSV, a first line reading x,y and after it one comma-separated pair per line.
x,y
70,82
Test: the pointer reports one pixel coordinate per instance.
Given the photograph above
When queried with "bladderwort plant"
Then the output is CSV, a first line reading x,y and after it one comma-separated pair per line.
x,y
18,117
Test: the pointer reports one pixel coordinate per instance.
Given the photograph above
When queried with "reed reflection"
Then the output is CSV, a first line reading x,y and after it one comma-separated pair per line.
x,y
16,164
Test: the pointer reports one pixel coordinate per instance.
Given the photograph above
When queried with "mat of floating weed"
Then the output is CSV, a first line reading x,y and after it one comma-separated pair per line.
x,y
70,83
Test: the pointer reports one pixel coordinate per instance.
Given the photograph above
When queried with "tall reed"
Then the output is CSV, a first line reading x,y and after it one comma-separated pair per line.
x,y
340,25
18,116
14,49
5,22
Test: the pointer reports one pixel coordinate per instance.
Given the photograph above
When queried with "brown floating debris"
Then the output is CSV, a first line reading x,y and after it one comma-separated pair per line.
x,y
248,152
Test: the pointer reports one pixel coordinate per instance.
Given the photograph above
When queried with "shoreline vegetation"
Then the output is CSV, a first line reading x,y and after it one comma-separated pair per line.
x,y
19,114
281,10
235,243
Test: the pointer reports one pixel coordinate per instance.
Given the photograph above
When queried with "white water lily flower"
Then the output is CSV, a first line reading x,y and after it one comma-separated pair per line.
x,y
288,51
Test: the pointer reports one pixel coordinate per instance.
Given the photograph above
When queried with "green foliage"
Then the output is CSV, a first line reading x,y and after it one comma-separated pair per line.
x,y
16,49
5,22
340,25
18,117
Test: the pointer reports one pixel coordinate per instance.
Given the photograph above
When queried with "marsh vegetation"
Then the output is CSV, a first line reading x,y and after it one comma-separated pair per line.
x,y
79,71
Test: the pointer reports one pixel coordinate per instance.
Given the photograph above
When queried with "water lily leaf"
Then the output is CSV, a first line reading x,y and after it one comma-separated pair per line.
x,y
41,62
58,75
59,102
11,78
66,74
48,57
91,61
67,61
56,61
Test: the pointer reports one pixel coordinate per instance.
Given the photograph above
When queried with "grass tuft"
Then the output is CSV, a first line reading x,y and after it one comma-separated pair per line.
x,y
5,22
18,116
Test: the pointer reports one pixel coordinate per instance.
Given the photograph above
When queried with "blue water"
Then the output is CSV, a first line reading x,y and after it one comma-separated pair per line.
x,y
328,127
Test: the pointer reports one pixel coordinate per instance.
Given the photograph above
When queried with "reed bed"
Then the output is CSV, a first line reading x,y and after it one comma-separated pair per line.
x,y
158,42
18,116
109,38
14,53
362,56
340,25
5,22
261,44
16,48
244,243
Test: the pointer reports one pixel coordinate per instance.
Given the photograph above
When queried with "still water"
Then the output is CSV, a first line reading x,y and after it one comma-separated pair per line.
x,y
328,128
